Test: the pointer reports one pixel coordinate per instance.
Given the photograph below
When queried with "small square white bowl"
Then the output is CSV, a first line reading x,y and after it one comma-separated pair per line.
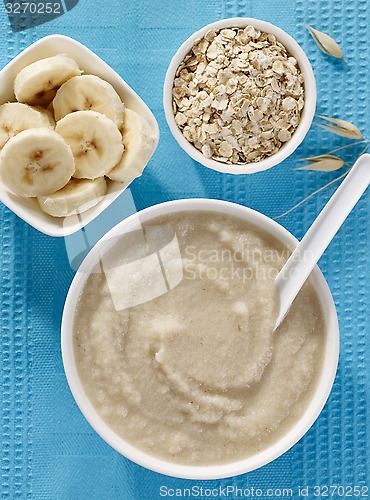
x,y
28,208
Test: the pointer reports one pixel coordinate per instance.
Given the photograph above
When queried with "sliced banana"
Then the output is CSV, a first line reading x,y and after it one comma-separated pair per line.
x,y
139,142
38,83
76,197
88,92
95,140
36,162
16,117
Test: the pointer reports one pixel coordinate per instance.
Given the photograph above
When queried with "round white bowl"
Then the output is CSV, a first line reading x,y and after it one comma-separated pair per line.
x,y
324,385
307,114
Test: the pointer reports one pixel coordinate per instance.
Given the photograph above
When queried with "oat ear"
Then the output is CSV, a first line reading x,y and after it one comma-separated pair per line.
x,y
341,127
323,163
326,43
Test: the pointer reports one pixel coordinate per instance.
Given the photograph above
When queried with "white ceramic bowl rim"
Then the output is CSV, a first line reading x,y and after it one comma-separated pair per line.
x,y
308,111
319,398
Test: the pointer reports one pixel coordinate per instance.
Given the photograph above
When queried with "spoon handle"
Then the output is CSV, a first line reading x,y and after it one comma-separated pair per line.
x,y
300,264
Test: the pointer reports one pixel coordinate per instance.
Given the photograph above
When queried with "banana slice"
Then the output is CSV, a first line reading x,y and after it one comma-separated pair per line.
x,y
16,117
76,197
139,141
38,83
95,140
88,92
36,162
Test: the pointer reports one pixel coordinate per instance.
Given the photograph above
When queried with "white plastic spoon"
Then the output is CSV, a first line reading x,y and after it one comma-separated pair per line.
x,y
300,264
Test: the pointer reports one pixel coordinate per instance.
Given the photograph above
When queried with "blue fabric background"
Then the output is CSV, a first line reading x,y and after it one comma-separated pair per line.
x,y
48,451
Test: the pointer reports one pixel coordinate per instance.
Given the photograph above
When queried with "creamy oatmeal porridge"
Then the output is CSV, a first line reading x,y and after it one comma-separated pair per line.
x,y
196,375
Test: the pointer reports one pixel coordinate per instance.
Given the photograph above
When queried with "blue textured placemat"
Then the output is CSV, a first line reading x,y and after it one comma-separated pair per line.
x,y
48,451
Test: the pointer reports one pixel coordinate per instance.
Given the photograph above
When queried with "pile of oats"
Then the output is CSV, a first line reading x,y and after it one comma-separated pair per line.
x,y
238,95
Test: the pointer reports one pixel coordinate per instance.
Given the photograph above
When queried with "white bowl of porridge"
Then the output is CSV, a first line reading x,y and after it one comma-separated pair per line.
x,y
168,342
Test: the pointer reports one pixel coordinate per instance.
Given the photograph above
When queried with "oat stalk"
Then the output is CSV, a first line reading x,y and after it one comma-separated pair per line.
x,y
314,159
312,194
349,146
